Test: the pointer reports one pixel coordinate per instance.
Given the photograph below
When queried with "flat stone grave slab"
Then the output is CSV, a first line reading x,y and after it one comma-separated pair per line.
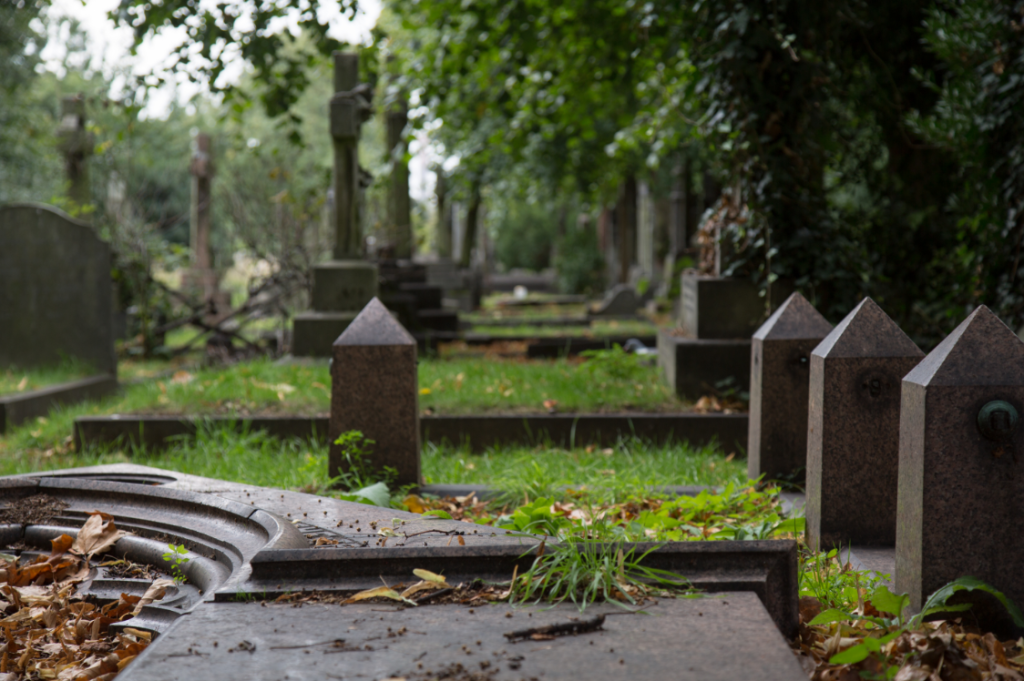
x,y
733,630
724,636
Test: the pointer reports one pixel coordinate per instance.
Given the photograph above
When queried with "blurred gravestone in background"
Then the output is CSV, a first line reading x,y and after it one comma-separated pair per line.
x,y
55,290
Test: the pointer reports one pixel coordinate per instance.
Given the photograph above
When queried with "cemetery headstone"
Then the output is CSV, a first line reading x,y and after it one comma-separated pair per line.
x,y
76,143
853,427
55,290
620,301
711,350
344,285
780,366
375,391
961,463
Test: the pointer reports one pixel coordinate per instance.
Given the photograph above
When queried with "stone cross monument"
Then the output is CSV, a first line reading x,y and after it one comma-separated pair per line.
x,y
76,144
343,286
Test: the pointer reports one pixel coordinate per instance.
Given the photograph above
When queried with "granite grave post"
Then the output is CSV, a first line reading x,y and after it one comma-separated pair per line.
x,y
779,383
374,390
853,426
961,466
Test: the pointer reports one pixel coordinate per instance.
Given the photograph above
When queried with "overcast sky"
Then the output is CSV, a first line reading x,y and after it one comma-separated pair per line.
x,y
111,44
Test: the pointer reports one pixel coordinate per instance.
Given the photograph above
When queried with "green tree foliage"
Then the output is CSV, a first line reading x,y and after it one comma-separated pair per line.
x,y
979,118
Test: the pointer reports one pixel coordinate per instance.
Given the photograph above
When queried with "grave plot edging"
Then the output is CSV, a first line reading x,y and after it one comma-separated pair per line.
x,y
478,431
21,407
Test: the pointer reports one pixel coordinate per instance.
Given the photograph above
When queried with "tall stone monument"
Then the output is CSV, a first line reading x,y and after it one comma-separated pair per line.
x,y
202,279
399,207
76,143
344,285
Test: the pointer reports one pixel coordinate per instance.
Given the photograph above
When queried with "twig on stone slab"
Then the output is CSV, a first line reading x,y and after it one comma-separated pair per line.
x,y
563,629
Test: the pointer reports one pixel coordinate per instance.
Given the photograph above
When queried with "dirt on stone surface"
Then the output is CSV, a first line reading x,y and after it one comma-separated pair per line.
x,y
33,510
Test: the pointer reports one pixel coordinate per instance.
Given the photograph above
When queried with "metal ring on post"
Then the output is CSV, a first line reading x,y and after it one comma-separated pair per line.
x,y
997,420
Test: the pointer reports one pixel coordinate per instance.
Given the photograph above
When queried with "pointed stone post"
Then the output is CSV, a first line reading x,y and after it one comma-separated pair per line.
x,y
76,143
780,370
853,429
961,465
399,208
374,390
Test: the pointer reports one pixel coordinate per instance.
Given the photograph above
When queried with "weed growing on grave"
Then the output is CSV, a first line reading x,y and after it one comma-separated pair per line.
x,y
584,572
177,555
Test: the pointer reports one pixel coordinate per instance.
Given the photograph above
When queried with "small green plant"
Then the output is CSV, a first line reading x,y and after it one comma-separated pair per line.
x,y
614,362
177,555
355,471
895,606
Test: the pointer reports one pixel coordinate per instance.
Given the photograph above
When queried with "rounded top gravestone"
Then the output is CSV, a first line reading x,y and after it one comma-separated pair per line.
x,y
56,296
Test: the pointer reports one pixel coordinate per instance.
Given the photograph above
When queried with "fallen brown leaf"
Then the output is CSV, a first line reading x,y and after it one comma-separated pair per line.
x,y
98,534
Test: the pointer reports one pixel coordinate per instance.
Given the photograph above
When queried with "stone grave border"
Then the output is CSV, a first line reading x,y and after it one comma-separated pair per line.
x,y
768,568
539,347
18,408
480,432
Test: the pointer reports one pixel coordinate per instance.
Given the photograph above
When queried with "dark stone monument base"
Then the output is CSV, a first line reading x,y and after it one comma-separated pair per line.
x,y
692,367
313,332
343,285
721,307
16,409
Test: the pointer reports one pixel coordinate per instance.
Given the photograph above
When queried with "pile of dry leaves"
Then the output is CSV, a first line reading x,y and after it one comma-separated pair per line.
x,y
936,651
48,632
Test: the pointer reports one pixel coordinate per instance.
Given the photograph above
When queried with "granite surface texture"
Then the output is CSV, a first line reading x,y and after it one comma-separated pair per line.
x,y
961,494
374,390
779,384
853,428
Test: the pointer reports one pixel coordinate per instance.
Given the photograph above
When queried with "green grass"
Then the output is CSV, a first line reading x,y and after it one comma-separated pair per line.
x,y
447,386
596,329
631,467
463,386
255,458
14,380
